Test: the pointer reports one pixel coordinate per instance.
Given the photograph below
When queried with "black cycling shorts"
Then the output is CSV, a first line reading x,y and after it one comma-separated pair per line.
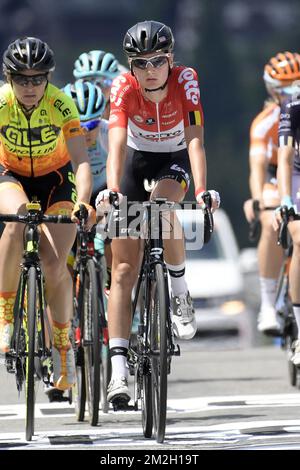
x,y
56,190
153,166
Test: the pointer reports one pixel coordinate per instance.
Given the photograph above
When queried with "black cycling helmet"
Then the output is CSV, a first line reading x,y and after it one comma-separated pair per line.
x,y
28,53
147,37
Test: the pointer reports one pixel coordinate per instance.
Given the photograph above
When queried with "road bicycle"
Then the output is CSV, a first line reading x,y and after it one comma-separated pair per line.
x,y
152,347
29,357
283,304
90,324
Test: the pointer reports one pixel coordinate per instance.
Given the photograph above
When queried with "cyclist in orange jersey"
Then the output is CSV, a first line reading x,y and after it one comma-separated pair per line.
x,y
279,73
41,145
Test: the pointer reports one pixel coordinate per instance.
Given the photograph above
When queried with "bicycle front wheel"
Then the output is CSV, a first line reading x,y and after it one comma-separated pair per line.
x,y
31,314
91,341
159,350
144,368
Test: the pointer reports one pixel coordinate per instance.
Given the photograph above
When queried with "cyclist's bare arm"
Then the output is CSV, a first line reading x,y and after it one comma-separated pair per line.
x,y
256,183
116,156
81,165
286,155
257,175
194,137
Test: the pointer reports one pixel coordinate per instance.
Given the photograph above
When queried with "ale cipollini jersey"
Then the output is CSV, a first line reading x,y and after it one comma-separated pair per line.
x,y
36,146
157,127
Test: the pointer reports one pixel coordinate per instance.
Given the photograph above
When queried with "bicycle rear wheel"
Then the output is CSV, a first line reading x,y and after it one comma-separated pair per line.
x,y
91,340
31,313
159,350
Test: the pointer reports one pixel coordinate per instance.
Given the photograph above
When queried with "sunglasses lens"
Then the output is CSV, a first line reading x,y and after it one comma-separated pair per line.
x,y
140,63
159,61
24,80
154,61
90,125
103,82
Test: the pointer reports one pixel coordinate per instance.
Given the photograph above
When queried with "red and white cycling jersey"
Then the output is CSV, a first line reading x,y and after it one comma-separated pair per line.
x,y
156,127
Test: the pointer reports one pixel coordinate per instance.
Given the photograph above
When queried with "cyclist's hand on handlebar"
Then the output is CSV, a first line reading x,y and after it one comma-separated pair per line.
x,y
215,199
276,218
286,204
91,214
249,210
103,200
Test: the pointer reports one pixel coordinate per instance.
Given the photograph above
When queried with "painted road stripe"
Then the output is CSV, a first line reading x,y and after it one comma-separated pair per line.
x,y
183,405
237,434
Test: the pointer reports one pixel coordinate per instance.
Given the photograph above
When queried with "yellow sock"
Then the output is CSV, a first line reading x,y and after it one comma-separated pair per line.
x,y
7,301
61,335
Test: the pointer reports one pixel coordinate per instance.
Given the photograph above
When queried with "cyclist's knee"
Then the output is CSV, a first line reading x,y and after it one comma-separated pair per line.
x,y
55,270
14,231
267,227
296,245
125,274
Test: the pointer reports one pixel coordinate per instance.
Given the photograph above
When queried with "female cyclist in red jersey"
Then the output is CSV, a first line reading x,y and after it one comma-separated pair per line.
x,y
155,133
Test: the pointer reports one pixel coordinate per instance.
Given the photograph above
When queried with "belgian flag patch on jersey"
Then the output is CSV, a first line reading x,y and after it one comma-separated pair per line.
x,y
195,118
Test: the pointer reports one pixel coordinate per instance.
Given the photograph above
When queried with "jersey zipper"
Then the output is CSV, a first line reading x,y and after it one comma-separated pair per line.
x,y
157,117
30,148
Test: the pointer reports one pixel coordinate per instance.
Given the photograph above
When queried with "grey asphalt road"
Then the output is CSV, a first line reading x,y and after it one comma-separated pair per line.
x,y
220,397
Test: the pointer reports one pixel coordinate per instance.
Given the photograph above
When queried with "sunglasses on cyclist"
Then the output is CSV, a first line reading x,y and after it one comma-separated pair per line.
x,y
156,62
90,125
24,80
103,82
289,90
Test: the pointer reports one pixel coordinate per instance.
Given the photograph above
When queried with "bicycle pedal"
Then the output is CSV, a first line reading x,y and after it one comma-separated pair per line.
x,y
10,367
121,404
55,395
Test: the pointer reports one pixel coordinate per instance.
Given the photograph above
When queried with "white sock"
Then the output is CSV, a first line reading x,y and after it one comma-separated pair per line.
x,y
296,310
177,278
118,348
268,288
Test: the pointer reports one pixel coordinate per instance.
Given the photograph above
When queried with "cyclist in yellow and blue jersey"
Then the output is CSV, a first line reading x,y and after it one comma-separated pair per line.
x,y
91,104
42,154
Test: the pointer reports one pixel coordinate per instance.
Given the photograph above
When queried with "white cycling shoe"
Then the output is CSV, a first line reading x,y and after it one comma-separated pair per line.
x,y
184,322
296,357
268,322
117,390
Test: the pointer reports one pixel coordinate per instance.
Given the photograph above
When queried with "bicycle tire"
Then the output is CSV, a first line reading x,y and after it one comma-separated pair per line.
x,y
105,373
159,358
31,346
80,392
91,341
105,361
146,400
79,387
144,369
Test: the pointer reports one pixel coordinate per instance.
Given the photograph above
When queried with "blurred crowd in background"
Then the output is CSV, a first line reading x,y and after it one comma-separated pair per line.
x,y
227,41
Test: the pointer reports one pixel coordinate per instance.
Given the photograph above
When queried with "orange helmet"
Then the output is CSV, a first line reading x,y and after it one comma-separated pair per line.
x,y
283,68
